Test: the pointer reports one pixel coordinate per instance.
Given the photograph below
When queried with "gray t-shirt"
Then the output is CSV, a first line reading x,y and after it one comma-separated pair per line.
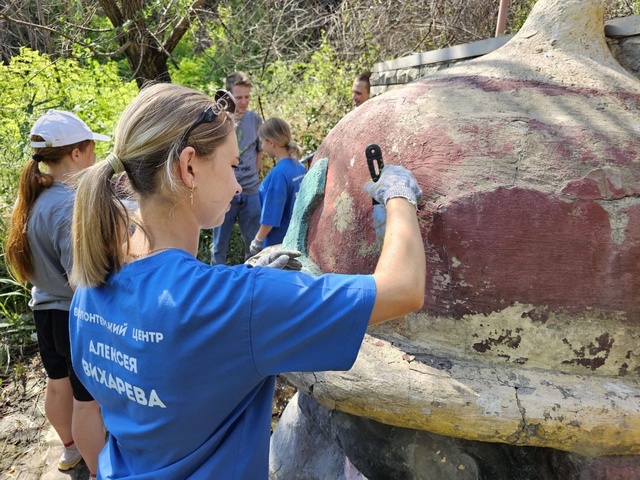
x,y
249,145
49,233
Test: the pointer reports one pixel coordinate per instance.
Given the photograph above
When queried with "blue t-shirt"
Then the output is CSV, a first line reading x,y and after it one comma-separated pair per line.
x,y
181,356
278,192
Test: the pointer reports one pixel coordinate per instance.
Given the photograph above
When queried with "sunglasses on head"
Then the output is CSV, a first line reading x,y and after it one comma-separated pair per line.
x,y
223,102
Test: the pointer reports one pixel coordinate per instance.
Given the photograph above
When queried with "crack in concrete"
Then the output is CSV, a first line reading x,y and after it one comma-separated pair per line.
x,y
517,166
311,387
522,433
522,410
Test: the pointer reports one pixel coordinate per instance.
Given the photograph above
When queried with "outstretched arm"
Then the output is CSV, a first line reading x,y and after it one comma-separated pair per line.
x,y
401,269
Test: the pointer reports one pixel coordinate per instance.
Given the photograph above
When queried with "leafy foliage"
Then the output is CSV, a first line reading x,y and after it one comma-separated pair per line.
x,y
311,95
32,85
35,84
235,255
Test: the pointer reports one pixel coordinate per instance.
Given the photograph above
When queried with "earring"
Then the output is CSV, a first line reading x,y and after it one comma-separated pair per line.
x,y
191,193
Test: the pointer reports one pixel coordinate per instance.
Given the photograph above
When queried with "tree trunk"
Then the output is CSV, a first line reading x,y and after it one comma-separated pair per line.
x,y
146,53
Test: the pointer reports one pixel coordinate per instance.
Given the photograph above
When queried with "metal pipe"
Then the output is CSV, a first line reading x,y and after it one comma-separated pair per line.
x,y
502,17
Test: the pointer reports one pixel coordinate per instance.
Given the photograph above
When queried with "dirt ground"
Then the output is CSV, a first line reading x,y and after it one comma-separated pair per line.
x,y
29,447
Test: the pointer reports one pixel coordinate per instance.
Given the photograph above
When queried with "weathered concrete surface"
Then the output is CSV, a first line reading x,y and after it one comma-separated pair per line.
x,y
529,159
302,446
312,443
410,388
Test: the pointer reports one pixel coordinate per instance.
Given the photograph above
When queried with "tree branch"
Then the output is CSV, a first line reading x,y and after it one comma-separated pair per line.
x,y
182,27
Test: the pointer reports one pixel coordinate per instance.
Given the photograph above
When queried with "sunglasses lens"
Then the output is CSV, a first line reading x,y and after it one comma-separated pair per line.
x,y
225,101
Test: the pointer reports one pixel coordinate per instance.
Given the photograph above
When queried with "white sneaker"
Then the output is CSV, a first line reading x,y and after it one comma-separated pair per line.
x,y
70,458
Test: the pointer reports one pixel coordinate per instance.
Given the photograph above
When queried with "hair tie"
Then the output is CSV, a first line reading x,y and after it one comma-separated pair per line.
x,y
37,157
116,163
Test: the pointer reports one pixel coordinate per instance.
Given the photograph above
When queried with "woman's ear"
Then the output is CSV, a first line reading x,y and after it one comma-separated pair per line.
x,y
186,166
75,154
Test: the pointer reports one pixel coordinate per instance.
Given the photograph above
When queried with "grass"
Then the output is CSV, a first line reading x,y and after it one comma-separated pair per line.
x,y
16,322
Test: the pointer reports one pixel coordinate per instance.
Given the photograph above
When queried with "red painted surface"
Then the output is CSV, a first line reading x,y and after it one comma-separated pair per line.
x,y
514,207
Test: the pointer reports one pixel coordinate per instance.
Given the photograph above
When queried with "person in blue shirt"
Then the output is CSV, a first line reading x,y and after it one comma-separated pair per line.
x,y
279,190
182,355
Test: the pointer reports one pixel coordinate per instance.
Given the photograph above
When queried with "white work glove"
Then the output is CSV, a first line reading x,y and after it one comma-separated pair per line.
x,y
282,259
395,181
256,246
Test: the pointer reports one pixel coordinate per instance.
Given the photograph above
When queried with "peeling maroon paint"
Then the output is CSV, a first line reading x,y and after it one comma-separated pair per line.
x,y
500,227
587,355
506,339
520,245
584,188
600,184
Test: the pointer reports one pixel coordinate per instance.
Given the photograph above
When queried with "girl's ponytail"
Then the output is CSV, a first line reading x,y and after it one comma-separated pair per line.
x,y
278,131
99,227
17,251
294,150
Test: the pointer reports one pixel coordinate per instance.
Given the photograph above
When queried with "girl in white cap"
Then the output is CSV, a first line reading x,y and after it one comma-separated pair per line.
x,y
39,251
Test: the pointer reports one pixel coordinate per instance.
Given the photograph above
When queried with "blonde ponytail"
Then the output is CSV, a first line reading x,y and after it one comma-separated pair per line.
x,y
294,150
278,131
99,230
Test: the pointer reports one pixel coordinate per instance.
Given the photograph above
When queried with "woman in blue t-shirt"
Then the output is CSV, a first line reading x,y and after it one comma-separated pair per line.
x,y
181,355
279,190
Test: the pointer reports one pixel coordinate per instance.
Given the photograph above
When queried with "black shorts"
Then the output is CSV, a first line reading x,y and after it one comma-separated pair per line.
x,y
52,327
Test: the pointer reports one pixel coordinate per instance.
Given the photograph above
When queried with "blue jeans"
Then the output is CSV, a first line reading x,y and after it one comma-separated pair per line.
x,y
245,209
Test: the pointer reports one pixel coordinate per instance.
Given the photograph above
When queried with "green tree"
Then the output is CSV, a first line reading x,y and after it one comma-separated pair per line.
x,y
148,32
144,33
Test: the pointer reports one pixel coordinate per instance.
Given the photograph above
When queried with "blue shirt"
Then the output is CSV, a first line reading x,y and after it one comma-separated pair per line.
x,y
181,356
278,192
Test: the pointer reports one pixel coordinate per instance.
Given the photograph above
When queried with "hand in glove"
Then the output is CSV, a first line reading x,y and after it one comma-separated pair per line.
x,y
395,181
256,246
282,259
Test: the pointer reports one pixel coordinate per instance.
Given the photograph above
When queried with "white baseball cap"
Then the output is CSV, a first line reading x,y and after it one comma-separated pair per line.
x,y
60,128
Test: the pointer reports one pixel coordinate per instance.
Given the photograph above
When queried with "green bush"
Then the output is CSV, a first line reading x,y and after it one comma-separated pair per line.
x,y
311,94
235,255
16,322
33,84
